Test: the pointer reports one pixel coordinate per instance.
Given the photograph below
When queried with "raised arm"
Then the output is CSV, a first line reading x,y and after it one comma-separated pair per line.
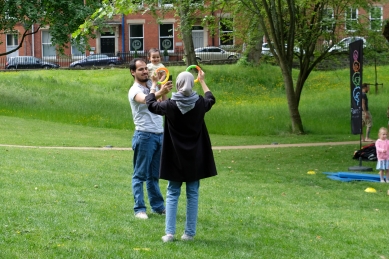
x,y
162,92
202,82
163,89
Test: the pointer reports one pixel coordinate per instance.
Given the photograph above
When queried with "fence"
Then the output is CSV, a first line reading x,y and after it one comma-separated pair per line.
x,y
175,56
65,61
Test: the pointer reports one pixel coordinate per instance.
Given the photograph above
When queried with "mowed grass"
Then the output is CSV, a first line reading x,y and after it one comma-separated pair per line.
x,y
72,203
251,106
263,204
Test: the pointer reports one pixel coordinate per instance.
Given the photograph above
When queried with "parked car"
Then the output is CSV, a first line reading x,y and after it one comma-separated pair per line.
x,y
214,53
97,60
28,62
266,49
342,46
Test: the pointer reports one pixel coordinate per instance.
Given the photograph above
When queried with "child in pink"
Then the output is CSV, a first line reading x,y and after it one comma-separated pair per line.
x,y
382,147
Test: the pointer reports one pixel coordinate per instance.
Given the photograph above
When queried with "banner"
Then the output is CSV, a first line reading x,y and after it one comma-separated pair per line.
x,y
356,60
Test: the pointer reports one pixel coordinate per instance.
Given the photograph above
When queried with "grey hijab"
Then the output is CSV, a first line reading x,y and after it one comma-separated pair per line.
x,y
185,97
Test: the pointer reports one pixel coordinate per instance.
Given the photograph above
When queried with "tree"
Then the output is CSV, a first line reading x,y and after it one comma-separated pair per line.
x,y
385,30
294,28
187,11
62,16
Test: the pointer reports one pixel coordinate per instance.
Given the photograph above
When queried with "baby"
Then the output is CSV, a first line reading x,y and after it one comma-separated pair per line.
x,y
154,56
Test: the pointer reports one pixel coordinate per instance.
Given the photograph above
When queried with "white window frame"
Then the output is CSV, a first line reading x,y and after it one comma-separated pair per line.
x,y
166,37
12,45
221,32
351,19
143,37
76,52
328,19
374,19
47,44
168,5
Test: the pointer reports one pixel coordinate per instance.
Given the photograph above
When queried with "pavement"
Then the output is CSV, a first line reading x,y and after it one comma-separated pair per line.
x,y
273,145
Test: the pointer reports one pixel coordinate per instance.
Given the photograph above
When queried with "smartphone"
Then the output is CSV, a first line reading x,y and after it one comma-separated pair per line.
x,y
170,78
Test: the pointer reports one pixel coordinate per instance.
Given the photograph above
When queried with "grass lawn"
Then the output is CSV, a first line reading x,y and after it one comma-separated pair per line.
x,y
78,204
72,203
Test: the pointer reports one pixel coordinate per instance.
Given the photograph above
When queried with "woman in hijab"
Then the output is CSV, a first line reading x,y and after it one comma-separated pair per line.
x,y
186,150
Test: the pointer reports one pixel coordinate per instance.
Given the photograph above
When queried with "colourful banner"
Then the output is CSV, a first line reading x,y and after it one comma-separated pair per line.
x,y
356,60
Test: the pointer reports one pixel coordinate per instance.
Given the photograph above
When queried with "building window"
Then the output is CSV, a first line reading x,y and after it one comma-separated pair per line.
x,y
78,49
166,37
197,2
351,19
328,21
136,37
165,3
48,50
226,37
11,44
12,41
376,18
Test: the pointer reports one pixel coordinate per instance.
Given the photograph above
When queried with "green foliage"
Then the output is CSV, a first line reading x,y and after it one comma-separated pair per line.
x,y
42,13
244,62
250,100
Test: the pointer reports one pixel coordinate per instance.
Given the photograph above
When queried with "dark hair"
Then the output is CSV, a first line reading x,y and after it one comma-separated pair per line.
x,y
133,63
152,50
364,85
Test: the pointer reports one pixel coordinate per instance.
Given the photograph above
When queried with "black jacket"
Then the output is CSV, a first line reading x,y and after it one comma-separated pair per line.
x,y
186,150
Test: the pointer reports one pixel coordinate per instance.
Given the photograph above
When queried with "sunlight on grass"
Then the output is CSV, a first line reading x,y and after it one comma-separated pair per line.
x,y
68,204
60,203
249,100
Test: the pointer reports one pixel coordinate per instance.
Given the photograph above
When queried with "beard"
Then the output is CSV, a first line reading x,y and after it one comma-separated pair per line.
x,y
142,79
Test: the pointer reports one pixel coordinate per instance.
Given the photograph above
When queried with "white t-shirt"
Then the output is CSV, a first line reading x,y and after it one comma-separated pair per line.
x,y
144,120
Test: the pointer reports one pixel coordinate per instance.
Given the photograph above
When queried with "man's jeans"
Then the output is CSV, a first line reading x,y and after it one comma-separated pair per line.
x,y
147,155
192,200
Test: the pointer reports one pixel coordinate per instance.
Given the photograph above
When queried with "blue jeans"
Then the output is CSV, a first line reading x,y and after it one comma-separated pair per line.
x,y
147,155
192,201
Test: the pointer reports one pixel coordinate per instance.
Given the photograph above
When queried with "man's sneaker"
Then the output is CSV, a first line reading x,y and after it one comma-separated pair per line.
x,y
185,237
141,215
382,181
168,238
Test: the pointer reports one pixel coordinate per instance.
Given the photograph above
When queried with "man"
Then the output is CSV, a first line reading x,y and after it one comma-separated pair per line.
x,y
147,140
366,116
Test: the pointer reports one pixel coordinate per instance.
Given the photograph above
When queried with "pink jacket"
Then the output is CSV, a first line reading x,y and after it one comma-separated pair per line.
x,y
380,146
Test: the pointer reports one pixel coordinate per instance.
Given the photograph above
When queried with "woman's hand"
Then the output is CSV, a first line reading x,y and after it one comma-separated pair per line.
x,y
201,75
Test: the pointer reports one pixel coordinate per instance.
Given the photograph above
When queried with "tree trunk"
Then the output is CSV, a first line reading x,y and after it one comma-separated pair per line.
x,y
186,33
190,56
254,52
254,47
293,104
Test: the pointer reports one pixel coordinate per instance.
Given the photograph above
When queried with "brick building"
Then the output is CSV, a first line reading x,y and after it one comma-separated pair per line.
x,y
142,32
126,34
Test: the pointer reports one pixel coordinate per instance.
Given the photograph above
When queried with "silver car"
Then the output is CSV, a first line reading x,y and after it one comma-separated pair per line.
x,y
266,49
342,46
214,53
